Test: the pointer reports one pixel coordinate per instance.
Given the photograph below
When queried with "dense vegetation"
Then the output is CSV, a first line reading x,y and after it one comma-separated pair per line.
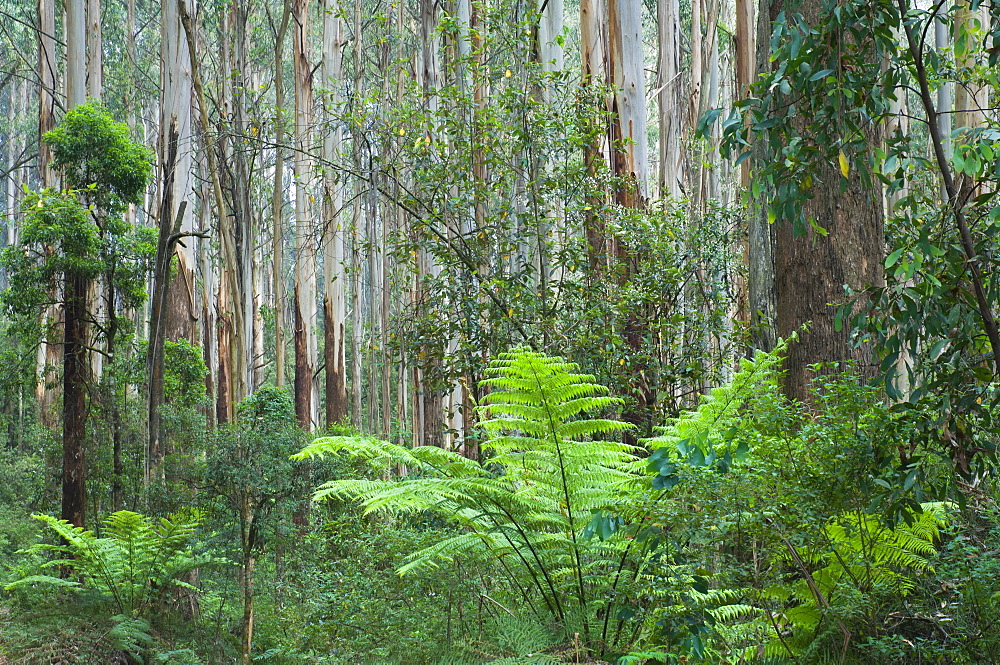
x,y
432,366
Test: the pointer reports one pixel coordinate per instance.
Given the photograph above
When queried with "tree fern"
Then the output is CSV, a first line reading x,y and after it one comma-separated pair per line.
x,y
133,566
696,437
529,504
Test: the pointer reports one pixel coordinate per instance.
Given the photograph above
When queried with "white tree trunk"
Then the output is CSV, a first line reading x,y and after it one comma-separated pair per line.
x,y
305,226
76,53
670,86
334,259
95,51
628,79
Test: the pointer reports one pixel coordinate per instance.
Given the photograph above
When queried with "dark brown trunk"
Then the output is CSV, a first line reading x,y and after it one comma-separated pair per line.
x,y
810,274
811,270
75,374
223,401
303,373
336,380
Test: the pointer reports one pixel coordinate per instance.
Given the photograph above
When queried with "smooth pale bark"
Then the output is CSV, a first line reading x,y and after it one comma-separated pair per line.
x,y
231,354
173,313
180,315
594,63
95,51
243,227
746,69
49,354
971,100
334,259
942,43
670,97
47,86
357,228
697,60
713,163
630,166
304,301
551,26
278,198
76,53
428,406
630,160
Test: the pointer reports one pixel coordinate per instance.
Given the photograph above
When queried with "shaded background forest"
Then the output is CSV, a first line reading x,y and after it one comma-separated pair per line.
x,y
232,227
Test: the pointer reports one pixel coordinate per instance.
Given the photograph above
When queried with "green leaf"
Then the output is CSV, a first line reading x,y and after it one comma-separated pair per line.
x,y
891,260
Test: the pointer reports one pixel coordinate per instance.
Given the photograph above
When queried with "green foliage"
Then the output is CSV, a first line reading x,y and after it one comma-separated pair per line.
x,y
837,75
705,437
771,502
133,566
528,506
52,220
96,152
61,237
249,465
861,557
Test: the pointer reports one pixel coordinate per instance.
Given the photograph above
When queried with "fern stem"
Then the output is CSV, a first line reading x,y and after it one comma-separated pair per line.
x,y
541,566
553,430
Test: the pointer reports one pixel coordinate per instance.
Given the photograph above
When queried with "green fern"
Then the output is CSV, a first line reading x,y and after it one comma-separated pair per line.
x,y
530,504
696,438
133,566
863,555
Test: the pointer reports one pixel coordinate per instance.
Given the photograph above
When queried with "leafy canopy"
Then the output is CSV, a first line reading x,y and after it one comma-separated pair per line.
x,y
96,152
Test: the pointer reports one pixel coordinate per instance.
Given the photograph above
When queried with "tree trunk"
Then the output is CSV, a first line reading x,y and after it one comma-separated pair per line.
x,y
761,234
95,51
334,259
232,355
49,354
278,199
47,86
670,86
75,379
180,316
594,56
305,261
630,166
76,53
811,270
628,105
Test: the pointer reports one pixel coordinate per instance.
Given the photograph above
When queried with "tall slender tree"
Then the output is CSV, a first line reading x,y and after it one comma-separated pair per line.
x,y
304,301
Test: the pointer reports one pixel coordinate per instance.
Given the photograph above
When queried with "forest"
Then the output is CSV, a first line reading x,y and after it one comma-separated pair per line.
x,y
452,332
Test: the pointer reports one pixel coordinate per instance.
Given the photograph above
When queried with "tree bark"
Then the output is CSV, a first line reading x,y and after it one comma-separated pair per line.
x,y
278,198
180,316
75,378
305,245
594,56
670,98
95,51
811,270
49,354
232,356
76,53
334,273
761,233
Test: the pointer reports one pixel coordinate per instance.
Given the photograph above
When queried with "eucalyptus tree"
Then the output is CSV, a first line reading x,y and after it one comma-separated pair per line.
x,y
816,117
68,239
304,299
